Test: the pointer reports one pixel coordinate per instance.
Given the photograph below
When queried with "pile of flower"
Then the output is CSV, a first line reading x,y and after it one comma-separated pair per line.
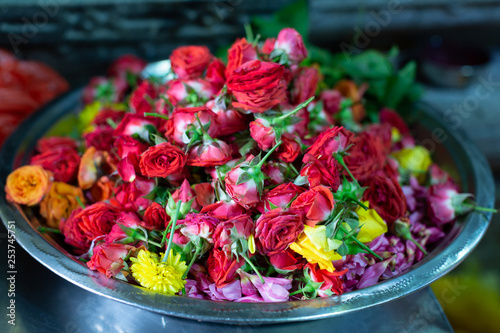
x,y
247,181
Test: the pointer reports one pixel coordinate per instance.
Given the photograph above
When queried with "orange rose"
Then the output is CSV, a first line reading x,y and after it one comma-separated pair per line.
x,y
59,203
28,184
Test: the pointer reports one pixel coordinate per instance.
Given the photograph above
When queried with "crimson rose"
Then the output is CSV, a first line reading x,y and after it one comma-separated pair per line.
x,y
162,160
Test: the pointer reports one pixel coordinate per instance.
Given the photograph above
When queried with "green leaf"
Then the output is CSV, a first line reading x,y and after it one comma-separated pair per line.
x,y
352,223
243,178
399,85
157,139
330,229
343,250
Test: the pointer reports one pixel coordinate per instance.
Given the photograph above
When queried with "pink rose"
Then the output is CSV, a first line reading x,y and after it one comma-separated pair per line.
x,y
290,41
108,258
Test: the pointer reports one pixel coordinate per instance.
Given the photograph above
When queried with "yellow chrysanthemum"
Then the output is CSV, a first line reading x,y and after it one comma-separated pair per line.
x,y
313,245
417,160
372,225
162,277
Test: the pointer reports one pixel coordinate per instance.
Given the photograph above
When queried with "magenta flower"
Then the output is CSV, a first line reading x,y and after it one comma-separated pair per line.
x,y
272,290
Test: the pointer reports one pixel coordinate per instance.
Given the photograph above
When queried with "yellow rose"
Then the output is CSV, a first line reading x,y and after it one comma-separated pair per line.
x,y
417,160
59,203
313,245
372,225
28,184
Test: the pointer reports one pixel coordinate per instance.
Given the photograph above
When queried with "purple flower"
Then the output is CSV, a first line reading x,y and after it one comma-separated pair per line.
x,y
373,273
272,290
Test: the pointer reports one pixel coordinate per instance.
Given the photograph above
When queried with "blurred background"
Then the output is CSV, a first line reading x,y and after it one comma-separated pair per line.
x,y
455,44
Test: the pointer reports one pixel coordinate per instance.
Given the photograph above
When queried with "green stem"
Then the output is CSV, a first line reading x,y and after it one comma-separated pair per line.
x,y
157,115
363,246
206,137
297,109
249,32
254,268
80,202
419,246
261,163
480,209
340,159
111,123
45,229
171,239
196,253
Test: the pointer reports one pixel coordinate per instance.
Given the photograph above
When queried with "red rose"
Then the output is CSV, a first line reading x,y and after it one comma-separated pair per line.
x,y
263,133
205,194
317,204
176,128
101,119
108,258
305,84
290,41
162,160
331,282
276,229
126,144
55,142
224,210
130,196
179,91
216,74
221,269
73,234
366,156
230,121
189,62
126,64
198,225
383,133
282,195
386,197
97,219
245,194
238,54
136,124
331,103
391,117
257,85
268,46
289,149
227,232
101,138
63,162
156,216
333,140
287,260
141,97
321,172
211,153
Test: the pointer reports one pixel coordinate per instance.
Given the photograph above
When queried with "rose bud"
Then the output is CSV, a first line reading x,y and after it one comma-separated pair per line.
x,y
134,124
335,140
366,157
444,203
216,74
28,184
199,229
268,46
386,197
282,195
141,97
127,64
230,121
438,176
228,232
305,84
321,172
125,145
331,282
224,209
290,41
109,90
238,54
60,202
131,196
331,104
156,217
190,92
263,133
184,121
128,167
107,115
185,196
286,261
271,289
162,160
348,88
317,204
290,149
276,229
54,143
205,194
211,152
278,172
189,62
63,162
221,269
257,86
108,258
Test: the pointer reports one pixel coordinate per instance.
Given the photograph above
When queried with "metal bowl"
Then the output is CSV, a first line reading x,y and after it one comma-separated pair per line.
x,y
451,149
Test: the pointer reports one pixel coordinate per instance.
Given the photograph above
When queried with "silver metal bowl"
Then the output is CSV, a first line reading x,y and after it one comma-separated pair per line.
x,y
453,150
